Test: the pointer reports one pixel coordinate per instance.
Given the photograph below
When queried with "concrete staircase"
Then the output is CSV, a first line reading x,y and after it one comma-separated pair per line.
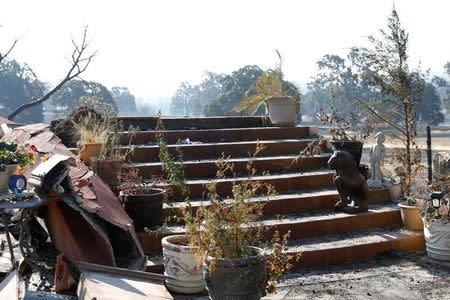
x,y
305,198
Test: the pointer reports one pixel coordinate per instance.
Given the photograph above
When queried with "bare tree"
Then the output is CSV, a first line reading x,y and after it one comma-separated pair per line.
x,y
79,61
5,54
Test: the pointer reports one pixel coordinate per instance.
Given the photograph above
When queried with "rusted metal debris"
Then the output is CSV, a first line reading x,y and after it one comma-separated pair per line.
x,y
87,222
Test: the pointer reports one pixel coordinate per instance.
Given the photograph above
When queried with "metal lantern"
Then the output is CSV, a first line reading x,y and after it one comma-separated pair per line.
x,y
436,198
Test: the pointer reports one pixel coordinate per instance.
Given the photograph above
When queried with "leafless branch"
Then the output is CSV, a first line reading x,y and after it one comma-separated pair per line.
x,y
3,56
79,63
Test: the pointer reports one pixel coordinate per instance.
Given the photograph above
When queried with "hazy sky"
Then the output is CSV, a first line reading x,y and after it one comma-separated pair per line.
x,y
151,46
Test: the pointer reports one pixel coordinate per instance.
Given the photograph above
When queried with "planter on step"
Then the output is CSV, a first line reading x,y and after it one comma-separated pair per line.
x,y
146,209
236,279
437,239
108,170
88,151
282,111
5,174
355,148
411,216
180,266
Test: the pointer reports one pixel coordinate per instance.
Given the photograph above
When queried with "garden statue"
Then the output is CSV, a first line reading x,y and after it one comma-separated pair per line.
x,y
351,185
376,156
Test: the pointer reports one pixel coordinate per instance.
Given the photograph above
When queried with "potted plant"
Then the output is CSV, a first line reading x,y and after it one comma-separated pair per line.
x,y
341,137
12,156
108,164
436,219
410,211
142,200
92,132
281,98
228,241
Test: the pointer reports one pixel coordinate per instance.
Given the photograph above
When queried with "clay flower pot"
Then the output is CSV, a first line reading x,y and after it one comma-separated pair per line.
x,y
108,170
282,110
5,174
88,151
411,216
180,265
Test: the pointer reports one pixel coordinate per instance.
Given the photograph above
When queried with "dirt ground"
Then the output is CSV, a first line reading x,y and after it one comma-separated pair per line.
x,y
391,276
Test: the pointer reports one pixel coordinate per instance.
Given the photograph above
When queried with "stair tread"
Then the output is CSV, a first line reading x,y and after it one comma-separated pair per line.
x,y
261,128
232,160
193,144
349,239
306,217
286,175
278,197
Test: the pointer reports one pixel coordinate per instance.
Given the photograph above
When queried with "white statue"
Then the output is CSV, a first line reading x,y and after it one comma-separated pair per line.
x,y
376,155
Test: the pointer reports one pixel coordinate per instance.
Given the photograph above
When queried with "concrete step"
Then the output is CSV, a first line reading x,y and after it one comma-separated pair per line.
x,y
208,167
222,135
354,246
149,153
283,183
305,225
280,204
337,249
174,123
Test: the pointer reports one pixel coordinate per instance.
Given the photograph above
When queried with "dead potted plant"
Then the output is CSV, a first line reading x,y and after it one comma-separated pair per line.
x,y
228,240
92,132
142,200
108,164
281,98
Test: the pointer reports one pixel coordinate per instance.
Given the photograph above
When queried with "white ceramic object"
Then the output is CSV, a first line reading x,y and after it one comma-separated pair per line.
x,y
184,276
282,111
4,177
437,239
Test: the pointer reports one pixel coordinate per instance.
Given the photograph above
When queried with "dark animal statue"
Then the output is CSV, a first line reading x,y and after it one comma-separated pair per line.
x,y
351,185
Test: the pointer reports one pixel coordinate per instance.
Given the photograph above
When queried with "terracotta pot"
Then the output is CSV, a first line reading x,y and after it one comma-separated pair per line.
x,y
108,170
145,210
282,110
437,239
353,147
4,177
88,151
180,266
411,216
236,279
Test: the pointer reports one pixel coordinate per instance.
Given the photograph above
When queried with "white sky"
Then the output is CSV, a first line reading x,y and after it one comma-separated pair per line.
x,y
151,46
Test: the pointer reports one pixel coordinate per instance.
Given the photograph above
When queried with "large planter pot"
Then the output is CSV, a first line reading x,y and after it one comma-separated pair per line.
x,y
108,170
145,210
355,148
88,151
411,216
4,177
282,111
236,279
180,266
437,239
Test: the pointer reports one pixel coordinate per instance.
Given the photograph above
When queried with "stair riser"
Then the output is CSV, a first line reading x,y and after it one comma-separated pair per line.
x,y
350,223
209,169
220,135
357,252
200,151
285,184
283,206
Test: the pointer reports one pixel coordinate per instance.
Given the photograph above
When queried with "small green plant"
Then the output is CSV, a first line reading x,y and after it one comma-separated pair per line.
x,y
269,84
15,154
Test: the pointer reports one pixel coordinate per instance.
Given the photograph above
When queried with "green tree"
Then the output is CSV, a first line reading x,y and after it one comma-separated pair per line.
x,y
19,84
429,109
401,91
69,96
233,91
126,102
180,103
